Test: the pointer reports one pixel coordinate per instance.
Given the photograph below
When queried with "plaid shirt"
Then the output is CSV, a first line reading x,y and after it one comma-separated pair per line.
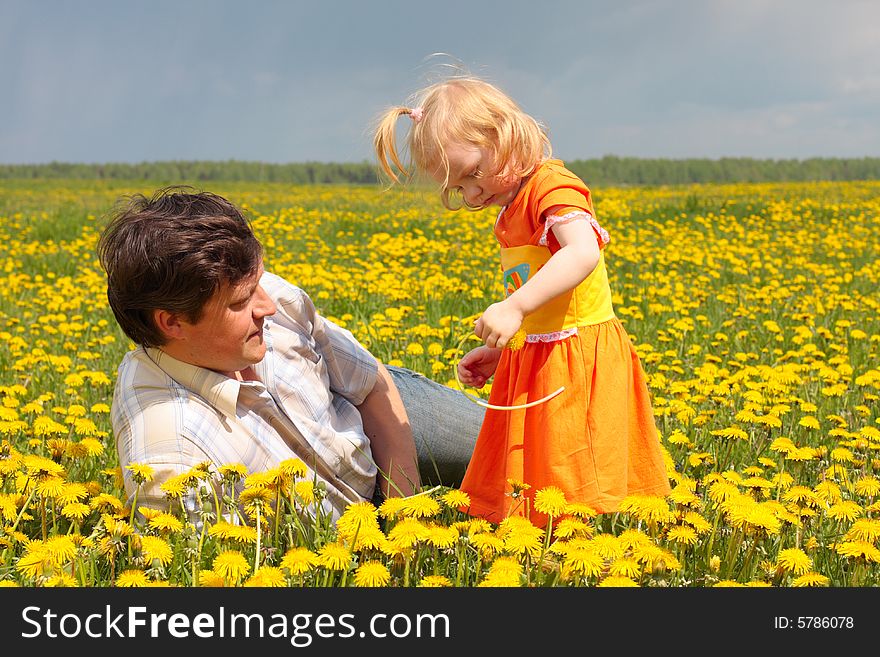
x,y
173,415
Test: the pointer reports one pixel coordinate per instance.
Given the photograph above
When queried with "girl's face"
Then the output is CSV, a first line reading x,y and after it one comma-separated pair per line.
x,y
473,170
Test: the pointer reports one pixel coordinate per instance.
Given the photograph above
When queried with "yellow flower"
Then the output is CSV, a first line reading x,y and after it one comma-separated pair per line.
x,y
811,579
455,499
232,472
582,562
299,561
132,578
858,550
617,581
75,511
305,491
683,534
625,567
487,544
231,566
293,468
794,560
357,517
647,507
141,472
504,571
517,341
266,576
165,522
550,501
391,507
372,573
210,579
434,581
156,549
420,506
333,556
866,529
442,537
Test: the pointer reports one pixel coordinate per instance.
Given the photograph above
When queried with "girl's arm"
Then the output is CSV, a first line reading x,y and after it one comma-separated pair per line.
x,y
571,264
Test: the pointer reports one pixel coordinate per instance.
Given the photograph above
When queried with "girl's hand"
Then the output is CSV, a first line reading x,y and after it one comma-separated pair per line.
x,y
498,324
478,365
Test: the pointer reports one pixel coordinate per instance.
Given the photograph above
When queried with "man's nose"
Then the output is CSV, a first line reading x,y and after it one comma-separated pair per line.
x,y
264,306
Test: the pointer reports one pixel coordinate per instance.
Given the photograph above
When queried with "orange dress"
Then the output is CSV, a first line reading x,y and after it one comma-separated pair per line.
x,y
597,440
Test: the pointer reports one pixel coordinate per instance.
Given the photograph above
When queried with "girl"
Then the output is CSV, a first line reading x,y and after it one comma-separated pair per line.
x,y
597,440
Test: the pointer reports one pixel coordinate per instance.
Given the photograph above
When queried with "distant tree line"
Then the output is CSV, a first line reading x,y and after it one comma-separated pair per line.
x,y
608,170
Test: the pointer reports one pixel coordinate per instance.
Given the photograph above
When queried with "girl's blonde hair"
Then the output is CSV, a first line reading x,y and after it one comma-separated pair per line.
x,y
463,110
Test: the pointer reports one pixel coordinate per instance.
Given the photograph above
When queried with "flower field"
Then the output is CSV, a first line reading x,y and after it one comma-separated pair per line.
x,y
754,309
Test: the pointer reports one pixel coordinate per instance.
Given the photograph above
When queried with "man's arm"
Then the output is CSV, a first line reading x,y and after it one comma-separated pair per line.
x,y
391,440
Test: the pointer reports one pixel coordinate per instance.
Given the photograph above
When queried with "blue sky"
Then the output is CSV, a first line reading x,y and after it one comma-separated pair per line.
x,y
101,81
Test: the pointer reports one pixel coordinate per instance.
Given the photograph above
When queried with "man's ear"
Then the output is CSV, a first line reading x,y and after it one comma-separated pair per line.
x,y
169,324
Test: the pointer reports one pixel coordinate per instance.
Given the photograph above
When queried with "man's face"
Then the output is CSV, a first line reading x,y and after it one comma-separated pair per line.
x,y
229,336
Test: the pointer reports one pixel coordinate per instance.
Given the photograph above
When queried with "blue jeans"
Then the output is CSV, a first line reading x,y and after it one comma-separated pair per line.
x,y
444,425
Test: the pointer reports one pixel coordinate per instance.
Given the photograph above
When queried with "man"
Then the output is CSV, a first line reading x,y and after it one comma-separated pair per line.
x,y
235,365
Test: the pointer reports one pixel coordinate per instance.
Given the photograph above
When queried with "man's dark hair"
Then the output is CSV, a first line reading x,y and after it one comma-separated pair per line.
x,y
172,252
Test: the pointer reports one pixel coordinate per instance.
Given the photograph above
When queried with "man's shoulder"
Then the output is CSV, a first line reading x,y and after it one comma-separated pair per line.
x,y
142,386
279,288
293,304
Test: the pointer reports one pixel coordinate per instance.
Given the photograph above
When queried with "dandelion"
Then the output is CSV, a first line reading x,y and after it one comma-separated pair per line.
x,y
72,492
232,473
210,579
868,486
266,576
455,499
846,510
174,487
132,578
442,537
683,534
625,567
646,507
504,572
684,496
408,532
334,556
434,581
371,573
517,486
299,561
293,468
391,507
569,527
488,544
858,550
420,506
305,491
76,511
617,581
156,549
231,565
811,579
141,472
165,522
550,501
516,343
867,529
794,560
583,563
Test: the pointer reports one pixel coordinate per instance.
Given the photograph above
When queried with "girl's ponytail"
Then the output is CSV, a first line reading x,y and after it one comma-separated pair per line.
x,y
385,143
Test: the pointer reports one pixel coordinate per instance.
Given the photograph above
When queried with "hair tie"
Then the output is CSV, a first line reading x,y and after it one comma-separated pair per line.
x,y
416,114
